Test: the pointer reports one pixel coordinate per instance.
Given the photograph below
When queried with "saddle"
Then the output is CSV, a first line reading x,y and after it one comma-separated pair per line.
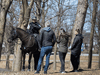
x,y
31,42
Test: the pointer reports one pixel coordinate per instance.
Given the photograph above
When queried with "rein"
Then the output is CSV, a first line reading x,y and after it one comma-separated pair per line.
x,y
24,38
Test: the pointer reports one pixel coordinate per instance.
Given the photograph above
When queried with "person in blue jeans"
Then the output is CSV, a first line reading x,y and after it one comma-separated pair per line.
x,y
47,41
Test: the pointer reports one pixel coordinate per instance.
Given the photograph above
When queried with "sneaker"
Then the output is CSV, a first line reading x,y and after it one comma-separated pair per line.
x,y
63,72
37,72
45,72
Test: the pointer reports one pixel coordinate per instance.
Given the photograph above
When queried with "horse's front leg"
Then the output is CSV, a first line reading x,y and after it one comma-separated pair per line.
x,y
23,56
29,61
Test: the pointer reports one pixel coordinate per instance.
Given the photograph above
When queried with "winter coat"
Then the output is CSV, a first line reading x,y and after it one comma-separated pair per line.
x,y
63,43
76,46
34,28
47,37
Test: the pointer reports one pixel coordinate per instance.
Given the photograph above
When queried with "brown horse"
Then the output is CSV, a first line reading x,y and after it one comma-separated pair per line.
x,y
29,45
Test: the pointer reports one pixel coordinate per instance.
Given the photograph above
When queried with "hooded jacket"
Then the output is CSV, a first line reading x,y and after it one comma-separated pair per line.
x,y
63,43
47,37
76,46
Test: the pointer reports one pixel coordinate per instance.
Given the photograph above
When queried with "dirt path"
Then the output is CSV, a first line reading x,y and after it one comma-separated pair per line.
x,y
82,68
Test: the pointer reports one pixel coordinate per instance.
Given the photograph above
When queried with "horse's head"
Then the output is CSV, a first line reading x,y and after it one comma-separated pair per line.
x,y
13,35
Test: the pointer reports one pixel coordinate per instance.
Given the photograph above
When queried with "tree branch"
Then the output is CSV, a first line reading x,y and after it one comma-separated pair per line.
x,y
31,4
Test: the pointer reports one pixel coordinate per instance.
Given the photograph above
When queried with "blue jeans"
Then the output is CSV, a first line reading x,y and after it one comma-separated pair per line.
x,y
44,50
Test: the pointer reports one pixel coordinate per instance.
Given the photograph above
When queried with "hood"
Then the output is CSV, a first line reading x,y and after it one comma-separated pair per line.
x,y
80,36
47,29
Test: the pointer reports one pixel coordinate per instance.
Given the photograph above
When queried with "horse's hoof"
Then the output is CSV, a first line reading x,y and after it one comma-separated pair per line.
x,y
23,70
28,69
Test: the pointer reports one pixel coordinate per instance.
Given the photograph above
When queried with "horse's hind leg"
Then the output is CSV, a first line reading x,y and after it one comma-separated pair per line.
x,y
23,55
29,61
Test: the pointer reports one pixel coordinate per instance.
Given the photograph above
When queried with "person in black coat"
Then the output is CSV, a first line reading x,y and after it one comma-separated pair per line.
x,y
76,50
34,28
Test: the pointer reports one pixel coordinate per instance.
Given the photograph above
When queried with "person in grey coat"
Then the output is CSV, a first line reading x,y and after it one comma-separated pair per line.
x,y
63,48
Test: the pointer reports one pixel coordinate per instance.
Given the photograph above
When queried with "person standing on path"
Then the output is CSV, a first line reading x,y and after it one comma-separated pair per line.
x,y
76,50
47,41
63,48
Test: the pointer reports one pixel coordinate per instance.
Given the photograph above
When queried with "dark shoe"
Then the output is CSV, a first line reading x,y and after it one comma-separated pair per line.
x,y
37,72
72,71
75,70
45,72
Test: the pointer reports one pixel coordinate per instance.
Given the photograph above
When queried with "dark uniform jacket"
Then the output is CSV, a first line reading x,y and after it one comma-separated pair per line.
x,y
34,28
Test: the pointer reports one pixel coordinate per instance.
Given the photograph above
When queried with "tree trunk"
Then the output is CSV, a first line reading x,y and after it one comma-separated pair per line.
x,y
14,58
80,17
18,61
43,18
98,23
18,56
58,23
99,42
23,24
7,57
4,8
38,10
95,2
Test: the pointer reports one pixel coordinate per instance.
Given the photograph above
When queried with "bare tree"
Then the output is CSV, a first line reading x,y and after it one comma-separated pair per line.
x,y
80,16
5,4
11,21
95,2
98,25
23,21
40,11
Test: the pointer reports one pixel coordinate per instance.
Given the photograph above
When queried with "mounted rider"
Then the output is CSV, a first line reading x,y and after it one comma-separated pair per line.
x,y
33,29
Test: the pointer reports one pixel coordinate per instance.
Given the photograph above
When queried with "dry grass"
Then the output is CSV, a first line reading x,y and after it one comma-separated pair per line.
x,y
83,70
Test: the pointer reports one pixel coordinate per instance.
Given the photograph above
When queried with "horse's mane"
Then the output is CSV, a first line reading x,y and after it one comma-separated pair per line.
x,y
28,40
23,31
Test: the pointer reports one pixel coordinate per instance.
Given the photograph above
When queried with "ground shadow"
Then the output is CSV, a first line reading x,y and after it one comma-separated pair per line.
x,y
81,70
3,70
